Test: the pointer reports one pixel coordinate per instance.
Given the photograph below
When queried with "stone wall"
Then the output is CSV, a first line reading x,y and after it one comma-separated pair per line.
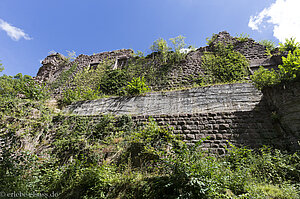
x,y
217,98
284,102
240,128
55,64
235,113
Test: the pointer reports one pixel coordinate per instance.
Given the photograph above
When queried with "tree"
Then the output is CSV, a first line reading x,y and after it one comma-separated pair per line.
x,y
1,67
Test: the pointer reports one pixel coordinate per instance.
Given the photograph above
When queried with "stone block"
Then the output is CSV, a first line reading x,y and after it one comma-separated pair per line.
x,y
190,136
199,136
223,126
215,126
219,136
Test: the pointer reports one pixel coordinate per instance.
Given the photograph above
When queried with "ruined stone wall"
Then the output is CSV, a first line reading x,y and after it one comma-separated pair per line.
x,y
181,74
55,64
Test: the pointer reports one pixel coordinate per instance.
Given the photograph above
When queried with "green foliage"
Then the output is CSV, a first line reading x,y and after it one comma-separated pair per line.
x,y
225,64
1,67
210,40
113,82
71,56
289,45
270,45
264,77
109,157
22,87
178,44
288,71
72,95
137,86
242,37
64,77
161,46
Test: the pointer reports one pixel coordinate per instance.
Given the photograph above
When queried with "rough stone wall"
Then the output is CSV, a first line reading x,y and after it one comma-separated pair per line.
x,y
217,98
184,73
284,101
237,113
241,128
55,64
52,64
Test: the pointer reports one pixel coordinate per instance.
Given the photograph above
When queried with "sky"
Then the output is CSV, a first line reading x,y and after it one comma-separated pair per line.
x,y
31,29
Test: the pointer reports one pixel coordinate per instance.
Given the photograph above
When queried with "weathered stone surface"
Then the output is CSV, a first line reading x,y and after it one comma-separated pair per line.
x,y
218,98
284,101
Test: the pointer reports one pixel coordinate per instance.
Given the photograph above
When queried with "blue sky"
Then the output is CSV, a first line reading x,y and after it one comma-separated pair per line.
x,y
30,29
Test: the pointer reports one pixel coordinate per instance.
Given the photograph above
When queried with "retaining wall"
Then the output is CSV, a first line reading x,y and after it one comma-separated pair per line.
x,y
235,113
217,98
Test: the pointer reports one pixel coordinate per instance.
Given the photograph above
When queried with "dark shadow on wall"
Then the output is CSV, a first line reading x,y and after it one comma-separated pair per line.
x,y
255,128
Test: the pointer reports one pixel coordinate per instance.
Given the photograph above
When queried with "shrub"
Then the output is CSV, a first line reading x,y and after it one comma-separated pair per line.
x,y
264,77
1,67
113,81
22,86
289,45
242,37
288,71
178,44
161,46
225,64
136,86
270,45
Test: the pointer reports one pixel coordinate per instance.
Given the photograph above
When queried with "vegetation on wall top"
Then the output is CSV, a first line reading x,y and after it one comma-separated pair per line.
x,y
288,71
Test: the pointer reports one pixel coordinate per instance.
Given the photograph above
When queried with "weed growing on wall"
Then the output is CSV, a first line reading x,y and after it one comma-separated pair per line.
x,y
289,45
243,37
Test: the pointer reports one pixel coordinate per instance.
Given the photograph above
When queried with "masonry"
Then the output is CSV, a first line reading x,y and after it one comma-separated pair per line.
x,y
235,113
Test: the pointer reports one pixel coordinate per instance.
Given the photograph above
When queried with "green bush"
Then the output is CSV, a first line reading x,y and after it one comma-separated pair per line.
x,y
242,37
161,46
21,86
270,45
72,95
1,67
113,82
109,157
264,77
136,86
288,71
225,64
289,45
